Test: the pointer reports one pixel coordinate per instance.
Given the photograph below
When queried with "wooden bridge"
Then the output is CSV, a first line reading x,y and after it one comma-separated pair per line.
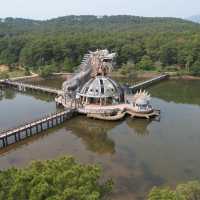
x,y
16,134
148,83
23,87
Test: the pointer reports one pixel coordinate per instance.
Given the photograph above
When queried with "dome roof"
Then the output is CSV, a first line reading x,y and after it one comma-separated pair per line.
x,y
101,87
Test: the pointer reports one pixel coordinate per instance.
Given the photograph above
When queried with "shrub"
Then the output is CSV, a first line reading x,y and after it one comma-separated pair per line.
x,y
46,71
146,64
4,75
195,69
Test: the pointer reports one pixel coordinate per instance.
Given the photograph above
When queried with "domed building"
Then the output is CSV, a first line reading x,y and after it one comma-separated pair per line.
x,y
101,90
93,93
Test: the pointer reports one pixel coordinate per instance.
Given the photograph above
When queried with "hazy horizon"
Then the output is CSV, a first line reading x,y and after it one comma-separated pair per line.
x,y
42,10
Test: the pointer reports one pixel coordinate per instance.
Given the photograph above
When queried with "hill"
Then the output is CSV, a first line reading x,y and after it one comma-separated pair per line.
x,y
88,23
194,18
59,44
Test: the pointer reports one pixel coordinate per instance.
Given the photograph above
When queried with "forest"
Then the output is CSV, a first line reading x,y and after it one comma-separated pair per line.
x,y
60,179
141,43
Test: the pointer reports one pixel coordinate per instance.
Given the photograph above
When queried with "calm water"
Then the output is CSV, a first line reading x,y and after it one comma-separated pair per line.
x,y
56,81
138,154
53,82
17,108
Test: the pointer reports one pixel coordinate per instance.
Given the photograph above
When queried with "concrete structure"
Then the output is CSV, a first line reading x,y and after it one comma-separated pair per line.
x,y
101,97
101,90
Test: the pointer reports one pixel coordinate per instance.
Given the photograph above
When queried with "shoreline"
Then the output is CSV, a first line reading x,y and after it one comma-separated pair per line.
x,y
140,75
184,77
149,75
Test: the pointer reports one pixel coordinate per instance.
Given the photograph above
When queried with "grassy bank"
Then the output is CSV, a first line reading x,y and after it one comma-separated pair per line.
x,y
7,72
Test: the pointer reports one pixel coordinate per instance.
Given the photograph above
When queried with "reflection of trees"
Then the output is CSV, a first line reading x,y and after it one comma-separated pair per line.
x,y
140,126
9,94
41,96
94,133
130,81
1,94
53,82
178,91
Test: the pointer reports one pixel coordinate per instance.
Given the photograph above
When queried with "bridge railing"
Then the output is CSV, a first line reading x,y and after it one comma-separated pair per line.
x,y
147,82
25,85
35,121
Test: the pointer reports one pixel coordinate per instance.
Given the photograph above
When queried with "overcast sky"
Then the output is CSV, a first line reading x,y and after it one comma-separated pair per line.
x,y
45,9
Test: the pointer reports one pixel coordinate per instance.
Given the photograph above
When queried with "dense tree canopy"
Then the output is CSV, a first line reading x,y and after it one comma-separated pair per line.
x,y
61,42
187,191
61,179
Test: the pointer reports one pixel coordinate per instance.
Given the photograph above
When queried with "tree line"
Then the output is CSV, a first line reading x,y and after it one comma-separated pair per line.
x,y
59,44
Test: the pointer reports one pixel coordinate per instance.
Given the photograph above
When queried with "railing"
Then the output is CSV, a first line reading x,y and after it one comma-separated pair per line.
x,y
30,86
35,122
148,82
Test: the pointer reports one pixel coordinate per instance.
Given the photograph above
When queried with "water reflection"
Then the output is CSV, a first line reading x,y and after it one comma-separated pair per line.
x,y
130,81
53,81
136,153
178,91
139,126
41,96
93,133
9,94
57,81
16,108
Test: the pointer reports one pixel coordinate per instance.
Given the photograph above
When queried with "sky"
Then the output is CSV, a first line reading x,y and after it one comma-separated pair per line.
x,y
46,9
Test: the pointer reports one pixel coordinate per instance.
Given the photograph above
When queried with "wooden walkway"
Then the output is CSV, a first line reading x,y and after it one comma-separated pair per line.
x,y
23,87
13,135
148,83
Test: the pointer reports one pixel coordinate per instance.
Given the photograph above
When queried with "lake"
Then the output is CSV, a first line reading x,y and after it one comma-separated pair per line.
x,y
136,153
57,81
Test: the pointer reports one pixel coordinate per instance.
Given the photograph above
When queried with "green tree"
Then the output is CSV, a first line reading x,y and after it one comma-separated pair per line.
x,y
68,66
46,71
146,63
168,54
195,69
129,70
61,179
27,71
162,194
187,191
61,42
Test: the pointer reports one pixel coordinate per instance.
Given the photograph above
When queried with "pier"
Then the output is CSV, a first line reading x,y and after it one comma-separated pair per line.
x,y
148,83
16,134
23,87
